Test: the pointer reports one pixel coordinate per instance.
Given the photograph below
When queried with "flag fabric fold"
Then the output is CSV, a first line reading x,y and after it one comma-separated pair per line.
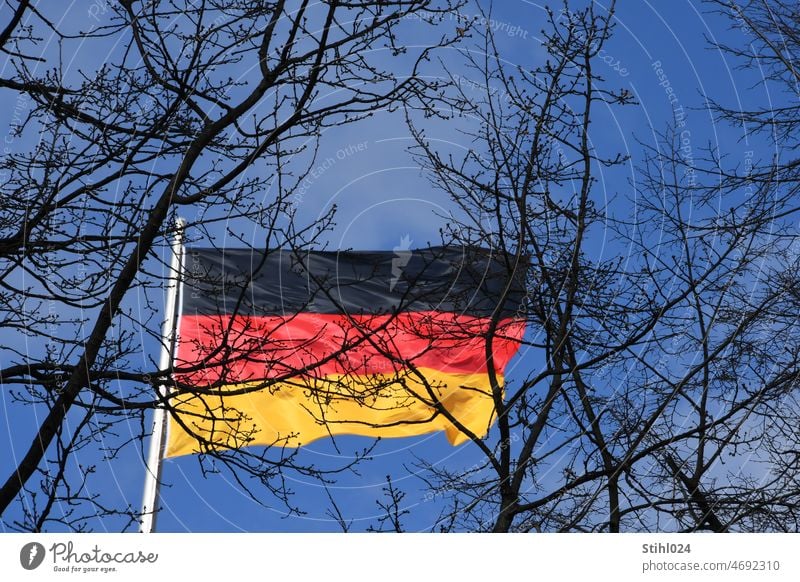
x,y
279,348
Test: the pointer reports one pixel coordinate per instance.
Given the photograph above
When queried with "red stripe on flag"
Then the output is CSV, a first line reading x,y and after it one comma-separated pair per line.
x,y
323,344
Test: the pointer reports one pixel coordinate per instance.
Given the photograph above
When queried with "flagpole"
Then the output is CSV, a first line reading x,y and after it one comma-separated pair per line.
x,y
152,477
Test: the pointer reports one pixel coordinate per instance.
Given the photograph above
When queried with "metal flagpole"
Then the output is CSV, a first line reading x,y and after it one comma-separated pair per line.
x,y
152,478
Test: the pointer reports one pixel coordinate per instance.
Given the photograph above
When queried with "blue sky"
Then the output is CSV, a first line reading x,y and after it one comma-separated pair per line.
x,y
382,196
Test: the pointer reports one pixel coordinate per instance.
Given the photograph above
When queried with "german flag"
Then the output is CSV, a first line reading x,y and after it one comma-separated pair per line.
x,y
281,348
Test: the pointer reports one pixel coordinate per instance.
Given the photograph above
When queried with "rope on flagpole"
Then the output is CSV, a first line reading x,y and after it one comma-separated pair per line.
x,y
152,478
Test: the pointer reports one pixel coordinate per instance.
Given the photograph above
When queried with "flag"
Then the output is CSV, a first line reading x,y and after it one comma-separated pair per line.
x,y
281,348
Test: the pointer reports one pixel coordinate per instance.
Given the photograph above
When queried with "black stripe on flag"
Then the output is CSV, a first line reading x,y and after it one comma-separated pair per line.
x,y
467,280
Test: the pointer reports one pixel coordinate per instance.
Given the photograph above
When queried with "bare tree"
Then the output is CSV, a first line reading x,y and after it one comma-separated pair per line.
x,y
659,391
206,109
